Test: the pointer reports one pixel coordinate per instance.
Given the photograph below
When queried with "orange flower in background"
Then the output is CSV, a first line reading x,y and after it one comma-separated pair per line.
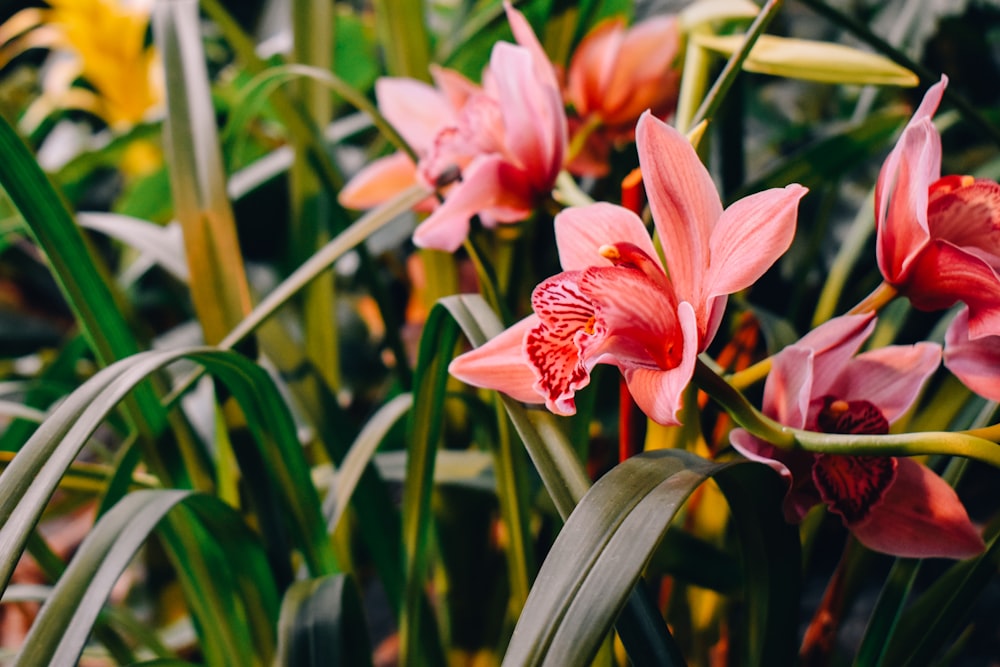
x,y
615,74
102,42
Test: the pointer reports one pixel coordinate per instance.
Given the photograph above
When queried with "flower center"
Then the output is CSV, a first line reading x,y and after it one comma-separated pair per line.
x,y
852,485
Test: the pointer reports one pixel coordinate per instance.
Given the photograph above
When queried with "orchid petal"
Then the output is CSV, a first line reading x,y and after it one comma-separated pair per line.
x,y
417,110
641,79
533,115
975,362
453,85
788,392
379,181
891,378
488,185
565,319
582,230
659,393
834,343
901,196
945,274
593,64
635,317
683,200
750,236
968,216
500,364
919,517
852,486
524,35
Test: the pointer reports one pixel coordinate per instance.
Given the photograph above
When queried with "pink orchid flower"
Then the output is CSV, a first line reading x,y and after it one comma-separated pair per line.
x,y
615,74
892,505
938,238
616,303
420,113
974,361
503,143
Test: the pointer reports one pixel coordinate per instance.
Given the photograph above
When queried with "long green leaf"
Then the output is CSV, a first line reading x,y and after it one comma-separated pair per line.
x,y
30,479
601,552
88,290
322,623
219,288
418,633
61,629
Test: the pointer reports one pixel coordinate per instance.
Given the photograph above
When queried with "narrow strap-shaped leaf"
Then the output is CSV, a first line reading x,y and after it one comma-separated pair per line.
x,y
322,623
600,554
61,629
30,479
86,286
947,606
418,633
219,289
359,456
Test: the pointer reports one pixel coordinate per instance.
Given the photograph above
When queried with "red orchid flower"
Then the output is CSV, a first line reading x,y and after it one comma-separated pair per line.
x,y
616,303
502,144
938,238
615,74
893,505
974,361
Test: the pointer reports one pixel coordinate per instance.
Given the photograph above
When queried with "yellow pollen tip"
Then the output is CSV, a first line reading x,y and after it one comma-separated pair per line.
x,y
609,252
967,180
839,407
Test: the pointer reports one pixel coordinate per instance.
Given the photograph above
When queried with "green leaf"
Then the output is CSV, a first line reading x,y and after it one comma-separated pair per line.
x,y
322,623
418,634
86,286
219,289
943,610
29,480
813,61
65,622
360,454
600,554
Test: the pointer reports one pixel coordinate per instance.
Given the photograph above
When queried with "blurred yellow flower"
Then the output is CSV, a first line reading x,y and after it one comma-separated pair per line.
x,y
101,42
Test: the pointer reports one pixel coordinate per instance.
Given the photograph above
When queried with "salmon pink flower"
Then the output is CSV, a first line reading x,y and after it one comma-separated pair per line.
x,y
502,144
938,238
974,361
615,74
616,303
892,505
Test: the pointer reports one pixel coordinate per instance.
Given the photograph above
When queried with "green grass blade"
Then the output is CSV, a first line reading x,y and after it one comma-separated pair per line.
x,y
61,630
86,286
402,32
30,479
360,455
322,623
943,610
418,633
219,289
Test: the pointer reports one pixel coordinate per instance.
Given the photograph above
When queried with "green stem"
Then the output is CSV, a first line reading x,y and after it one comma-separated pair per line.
x,y
784,437
724,82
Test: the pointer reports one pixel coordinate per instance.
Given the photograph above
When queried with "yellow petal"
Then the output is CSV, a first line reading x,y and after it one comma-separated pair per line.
x,y
813,61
